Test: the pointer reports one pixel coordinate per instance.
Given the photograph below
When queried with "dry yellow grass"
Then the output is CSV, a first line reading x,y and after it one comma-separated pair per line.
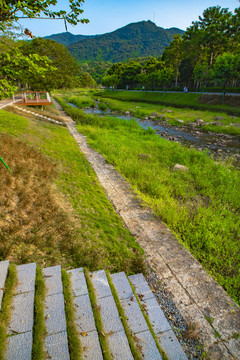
x,y
33,225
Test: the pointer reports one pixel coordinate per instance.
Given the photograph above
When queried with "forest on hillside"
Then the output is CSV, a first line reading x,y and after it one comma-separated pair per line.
x,y
134,40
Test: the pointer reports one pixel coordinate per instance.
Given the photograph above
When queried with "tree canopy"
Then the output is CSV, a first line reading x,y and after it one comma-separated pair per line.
x,y
13,10
40,64
15,67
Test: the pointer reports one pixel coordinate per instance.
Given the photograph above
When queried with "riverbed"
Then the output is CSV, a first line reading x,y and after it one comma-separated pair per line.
x,y
218,145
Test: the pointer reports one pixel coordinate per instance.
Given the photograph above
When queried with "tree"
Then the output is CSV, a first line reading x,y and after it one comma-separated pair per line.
x,y
15,66
201,74
129,73
110,81
226,68
97,69
211,35
173,55
151,65
84,80
66,65
143,80
164,77
13,10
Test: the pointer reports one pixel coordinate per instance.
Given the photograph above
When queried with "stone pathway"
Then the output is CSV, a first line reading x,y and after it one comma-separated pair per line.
x,y
6,102
20,330
200,300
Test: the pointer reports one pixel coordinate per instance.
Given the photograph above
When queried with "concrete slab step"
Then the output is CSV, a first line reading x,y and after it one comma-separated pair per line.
x,y
3,276
84,316
113,328
56,342
161,327
136,321
20,329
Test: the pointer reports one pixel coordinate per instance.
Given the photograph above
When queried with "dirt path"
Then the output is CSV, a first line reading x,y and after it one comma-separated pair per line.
x,y
198,297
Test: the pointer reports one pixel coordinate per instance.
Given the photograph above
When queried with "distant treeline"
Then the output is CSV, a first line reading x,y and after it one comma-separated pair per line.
x,y
206,55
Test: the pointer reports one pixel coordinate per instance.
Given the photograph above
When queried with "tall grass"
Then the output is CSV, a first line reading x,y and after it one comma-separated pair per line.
x,y
201,206
81,101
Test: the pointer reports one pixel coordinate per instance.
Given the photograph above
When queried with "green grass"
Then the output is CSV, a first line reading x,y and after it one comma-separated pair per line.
x,y
97,317
98,238
82,101
74,344
180,100
12,125
39,329
200,206
5,312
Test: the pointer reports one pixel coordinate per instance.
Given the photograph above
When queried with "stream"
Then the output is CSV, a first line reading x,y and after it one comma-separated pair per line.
x,y
218,145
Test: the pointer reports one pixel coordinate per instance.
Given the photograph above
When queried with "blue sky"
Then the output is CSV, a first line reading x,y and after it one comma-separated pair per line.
x,y
109,15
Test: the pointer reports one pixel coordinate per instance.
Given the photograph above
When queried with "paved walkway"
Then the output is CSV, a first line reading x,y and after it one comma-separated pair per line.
x,y
6,102
198,297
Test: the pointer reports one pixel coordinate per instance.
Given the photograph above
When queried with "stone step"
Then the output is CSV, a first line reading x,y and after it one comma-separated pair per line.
x,y
20,328
56,342
113,328
135,318
161,327
84,316
3,275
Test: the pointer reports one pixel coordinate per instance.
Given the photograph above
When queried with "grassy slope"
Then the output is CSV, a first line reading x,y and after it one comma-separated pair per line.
x,y
201,206
88,232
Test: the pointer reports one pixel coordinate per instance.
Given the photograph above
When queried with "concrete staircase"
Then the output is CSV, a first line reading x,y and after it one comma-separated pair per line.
x,y
148,326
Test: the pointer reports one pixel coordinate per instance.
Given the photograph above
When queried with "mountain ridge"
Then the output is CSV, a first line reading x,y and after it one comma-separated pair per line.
x,y
66,38
134,40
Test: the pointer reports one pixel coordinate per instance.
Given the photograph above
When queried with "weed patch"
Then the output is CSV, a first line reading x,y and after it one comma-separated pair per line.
x,y
82,101
173,115
74,344
39,329
98,320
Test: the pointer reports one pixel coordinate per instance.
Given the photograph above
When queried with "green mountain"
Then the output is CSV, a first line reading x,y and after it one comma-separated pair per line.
x,y
134,40
66,38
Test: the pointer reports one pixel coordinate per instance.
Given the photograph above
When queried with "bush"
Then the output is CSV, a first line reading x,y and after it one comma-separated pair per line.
x,y
102,106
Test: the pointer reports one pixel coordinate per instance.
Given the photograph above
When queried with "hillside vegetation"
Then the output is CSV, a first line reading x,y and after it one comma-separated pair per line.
x,y
66,38
134,40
